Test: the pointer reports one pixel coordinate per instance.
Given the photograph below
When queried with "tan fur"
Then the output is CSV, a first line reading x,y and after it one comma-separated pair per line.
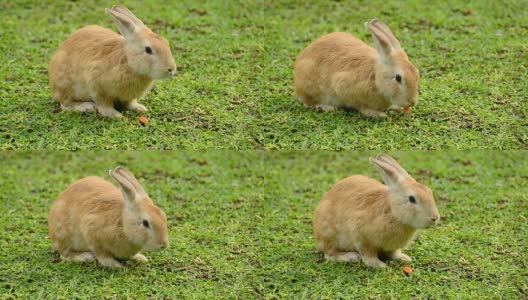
x,y
96,67
360,215
93,219
340,71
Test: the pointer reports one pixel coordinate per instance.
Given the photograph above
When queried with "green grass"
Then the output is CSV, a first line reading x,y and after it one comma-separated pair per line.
x,y
240,226
234,88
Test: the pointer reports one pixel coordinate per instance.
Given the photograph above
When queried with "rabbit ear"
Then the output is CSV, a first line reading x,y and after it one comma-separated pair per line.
x,y
129,14
132,179
391,161
128,189
388,33
381,42
390,176
125,25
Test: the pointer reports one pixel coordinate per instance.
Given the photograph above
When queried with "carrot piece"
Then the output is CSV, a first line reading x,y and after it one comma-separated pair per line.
x,y
407,270
143,120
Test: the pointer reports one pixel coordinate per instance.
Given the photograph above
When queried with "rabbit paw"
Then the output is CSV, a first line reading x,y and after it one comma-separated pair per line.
x,y
84,257
324,108
396,108
79,107
139,258
109,262
373,262
398,255
344,257
134,106
373,113
110,112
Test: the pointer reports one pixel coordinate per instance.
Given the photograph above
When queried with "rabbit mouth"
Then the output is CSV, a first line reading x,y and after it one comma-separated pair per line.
x,y
423,224
164,75
156,247
431,223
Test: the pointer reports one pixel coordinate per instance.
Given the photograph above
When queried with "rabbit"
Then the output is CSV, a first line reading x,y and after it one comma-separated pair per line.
x,y
92,219
96,68
361,218
340,71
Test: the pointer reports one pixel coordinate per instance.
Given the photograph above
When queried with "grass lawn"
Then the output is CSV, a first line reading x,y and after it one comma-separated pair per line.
x,y
240,226
234,88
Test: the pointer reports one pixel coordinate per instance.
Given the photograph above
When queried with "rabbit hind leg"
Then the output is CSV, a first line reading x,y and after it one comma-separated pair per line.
x,y
343,256
78,256
68,103
371,113
333,254
78,106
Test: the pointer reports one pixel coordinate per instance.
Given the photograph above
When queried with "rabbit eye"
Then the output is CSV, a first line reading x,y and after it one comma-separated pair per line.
x,y
412,199
398,78
146,223
148,50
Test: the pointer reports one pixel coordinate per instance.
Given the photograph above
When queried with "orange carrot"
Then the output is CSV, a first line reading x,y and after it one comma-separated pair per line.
x,y
407,270
143,120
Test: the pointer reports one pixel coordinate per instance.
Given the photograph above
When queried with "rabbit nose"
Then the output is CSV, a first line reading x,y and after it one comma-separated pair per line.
x,y
170,70
435,219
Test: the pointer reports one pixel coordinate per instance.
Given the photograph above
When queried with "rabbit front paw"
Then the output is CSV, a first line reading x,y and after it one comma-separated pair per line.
x,y
134,106
139,258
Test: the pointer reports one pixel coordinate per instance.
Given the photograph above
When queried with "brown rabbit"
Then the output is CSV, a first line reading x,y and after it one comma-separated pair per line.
x,y
340,71
96,67
363,218
92,219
